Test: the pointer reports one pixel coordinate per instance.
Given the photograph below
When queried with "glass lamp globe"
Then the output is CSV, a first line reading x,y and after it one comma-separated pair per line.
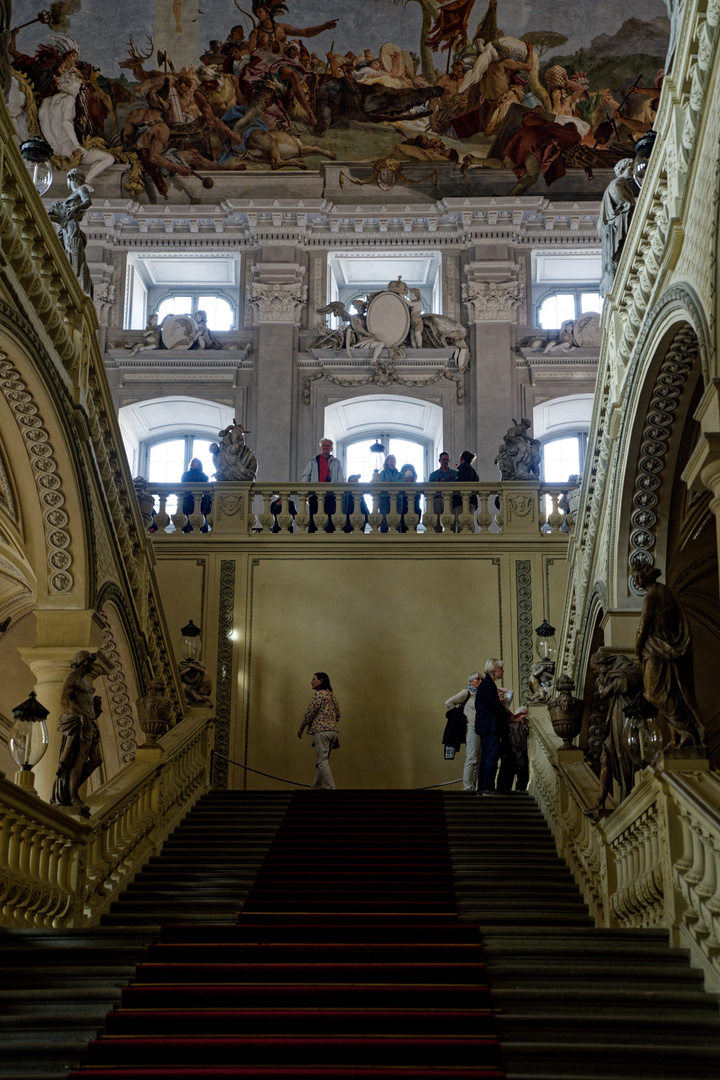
x,y
643,150
191,643
36,154
29,737
642,736
545,644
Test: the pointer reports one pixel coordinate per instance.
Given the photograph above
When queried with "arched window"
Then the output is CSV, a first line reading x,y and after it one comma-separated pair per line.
x,y
562,426
556,307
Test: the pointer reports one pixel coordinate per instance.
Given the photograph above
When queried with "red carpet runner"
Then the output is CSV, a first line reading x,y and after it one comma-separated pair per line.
x,y
347,961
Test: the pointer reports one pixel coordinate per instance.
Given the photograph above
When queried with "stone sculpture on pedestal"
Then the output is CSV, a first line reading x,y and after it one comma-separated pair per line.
x,y
233,460
664,649
540,681
80,752
519,456
197,684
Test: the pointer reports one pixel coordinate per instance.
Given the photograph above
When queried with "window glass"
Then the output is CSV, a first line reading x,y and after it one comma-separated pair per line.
x,y
166,461
555,309
174,305
219,312
561,459
409,453
590,301
201,450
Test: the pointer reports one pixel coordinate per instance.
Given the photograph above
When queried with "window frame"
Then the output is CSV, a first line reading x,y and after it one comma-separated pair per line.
x,y
147,444
563,290
155,299
581,435
384,437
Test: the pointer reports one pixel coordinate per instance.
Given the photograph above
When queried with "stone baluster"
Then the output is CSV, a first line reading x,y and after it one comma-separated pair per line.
x,y
179,519
556,516
466,519
375,517
338,517
357,518
284,518
411,518
265,518
484,517
196,518
162,518
302,518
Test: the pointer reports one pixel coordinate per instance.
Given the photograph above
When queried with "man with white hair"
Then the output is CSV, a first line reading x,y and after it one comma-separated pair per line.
x,y
492,718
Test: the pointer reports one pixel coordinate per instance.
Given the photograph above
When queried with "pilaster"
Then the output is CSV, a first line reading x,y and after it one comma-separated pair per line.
x,y
278,297
492,294
703,469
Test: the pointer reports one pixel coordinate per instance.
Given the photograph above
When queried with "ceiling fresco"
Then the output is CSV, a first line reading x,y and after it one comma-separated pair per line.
x,y
516,93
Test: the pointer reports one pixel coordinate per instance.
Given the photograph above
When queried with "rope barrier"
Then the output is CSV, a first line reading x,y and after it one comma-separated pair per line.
x,y
214,754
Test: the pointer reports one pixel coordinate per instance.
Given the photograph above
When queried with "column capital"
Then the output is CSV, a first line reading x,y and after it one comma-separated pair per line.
x,y
277,292
493,291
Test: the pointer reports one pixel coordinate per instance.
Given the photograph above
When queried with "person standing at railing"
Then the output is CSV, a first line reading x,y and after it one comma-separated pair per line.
x,y
388,474
321,720
409,476
195,475
324,468
466,474
444,475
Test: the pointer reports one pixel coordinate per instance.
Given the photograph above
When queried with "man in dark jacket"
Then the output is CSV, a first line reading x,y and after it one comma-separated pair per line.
x,y
491,724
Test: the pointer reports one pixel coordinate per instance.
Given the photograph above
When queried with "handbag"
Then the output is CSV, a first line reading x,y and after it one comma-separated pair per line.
x,y
457,713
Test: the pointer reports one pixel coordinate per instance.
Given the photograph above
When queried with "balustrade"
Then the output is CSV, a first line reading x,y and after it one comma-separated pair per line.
x,y
281,510
57,871
653,861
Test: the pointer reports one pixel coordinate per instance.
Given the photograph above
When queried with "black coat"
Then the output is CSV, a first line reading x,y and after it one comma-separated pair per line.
x,y
491,716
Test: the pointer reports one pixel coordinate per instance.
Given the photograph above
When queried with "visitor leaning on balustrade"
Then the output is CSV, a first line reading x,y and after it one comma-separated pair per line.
x,y
324,468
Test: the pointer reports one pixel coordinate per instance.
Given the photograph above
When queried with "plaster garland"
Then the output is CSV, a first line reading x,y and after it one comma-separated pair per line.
x,y
384,373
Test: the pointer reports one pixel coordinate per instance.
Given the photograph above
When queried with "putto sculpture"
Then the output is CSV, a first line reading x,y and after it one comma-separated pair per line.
x,y
664,650
540,681
519,456
197,684
80,752
232,459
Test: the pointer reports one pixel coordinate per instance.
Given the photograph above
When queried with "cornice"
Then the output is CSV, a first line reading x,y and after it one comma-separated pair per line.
x,y
317,223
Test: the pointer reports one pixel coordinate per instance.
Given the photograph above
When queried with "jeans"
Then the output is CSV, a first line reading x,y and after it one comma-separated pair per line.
x,y
324,742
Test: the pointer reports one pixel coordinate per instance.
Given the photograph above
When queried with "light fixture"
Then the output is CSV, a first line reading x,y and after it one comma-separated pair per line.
x,y
642,736
377,448
36,154
29,738
643,150
546,645
191,644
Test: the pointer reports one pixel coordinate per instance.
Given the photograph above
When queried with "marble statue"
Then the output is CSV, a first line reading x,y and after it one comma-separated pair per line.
x,y
197,684
151,335
614,219
80,752
68,213
664,650
204,336
233,460
519,456
618,679
540,681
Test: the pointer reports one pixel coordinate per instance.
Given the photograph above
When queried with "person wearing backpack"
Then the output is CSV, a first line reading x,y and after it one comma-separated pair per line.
x,y
465,700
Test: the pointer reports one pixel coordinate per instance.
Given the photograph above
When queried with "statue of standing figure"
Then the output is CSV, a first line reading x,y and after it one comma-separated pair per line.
x,y
68,213
617,681
233,460
664,649
614,219
80,752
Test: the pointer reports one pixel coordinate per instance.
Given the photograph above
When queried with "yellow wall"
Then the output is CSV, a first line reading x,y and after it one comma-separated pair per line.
x,y
397,630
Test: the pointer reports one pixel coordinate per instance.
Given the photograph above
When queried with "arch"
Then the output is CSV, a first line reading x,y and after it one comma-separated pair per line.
x,y
649,452
159,418
364,415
